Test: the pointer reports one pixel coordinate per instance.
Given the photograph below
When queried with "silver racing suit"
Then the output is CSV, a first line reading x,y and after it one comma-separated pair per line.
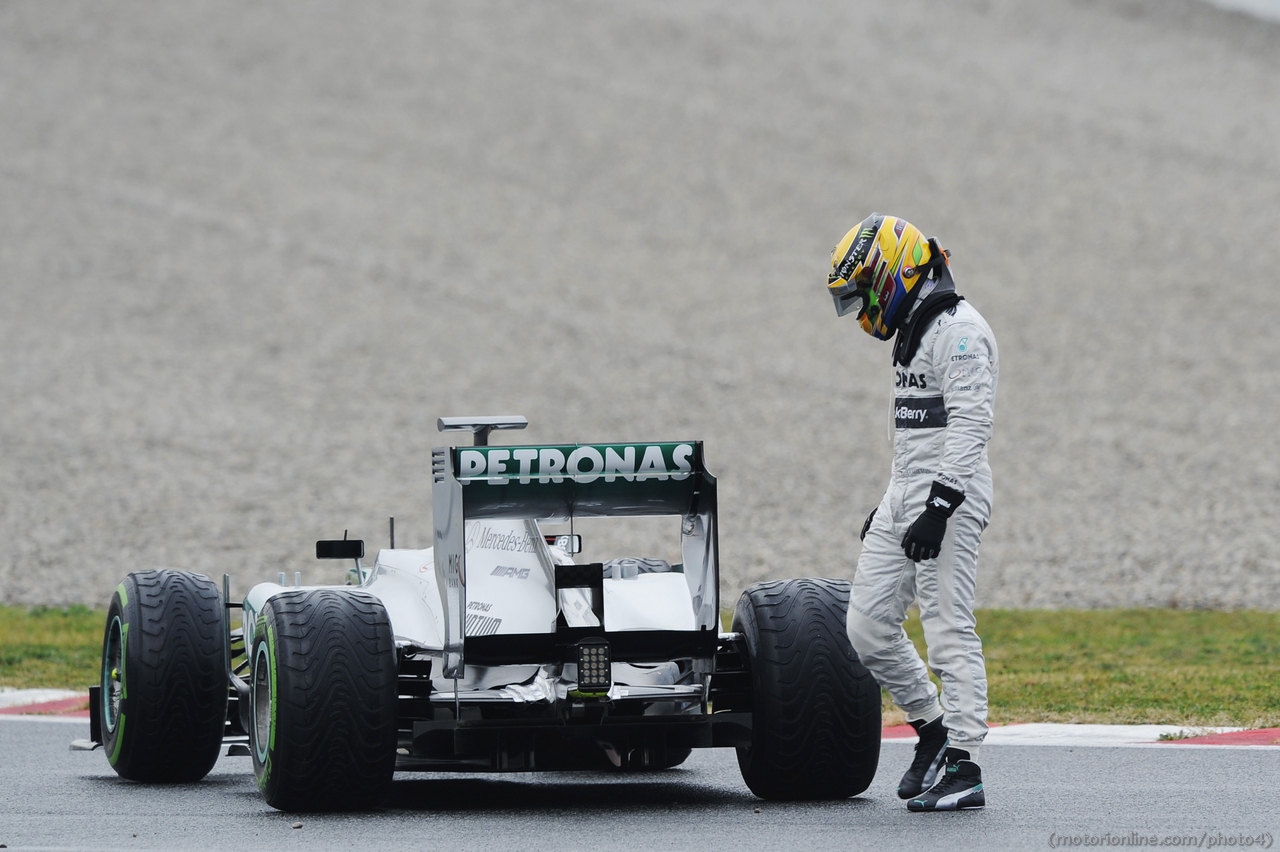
x,y
940,424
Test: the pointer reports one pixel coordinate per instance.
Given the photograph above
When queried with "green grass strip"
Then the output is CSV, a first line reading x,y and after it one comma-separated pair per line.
x,y
1154,666
1130,666
1126,666
50,648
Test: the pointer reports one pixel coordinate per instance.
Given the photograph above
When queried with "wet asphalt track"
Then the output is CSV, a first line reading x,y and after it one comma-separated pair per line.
x,y
54,798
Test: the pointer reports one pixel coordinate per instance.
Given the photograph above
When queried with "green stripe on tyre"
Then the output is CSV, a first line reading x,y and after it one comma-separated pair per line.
x,y
275,703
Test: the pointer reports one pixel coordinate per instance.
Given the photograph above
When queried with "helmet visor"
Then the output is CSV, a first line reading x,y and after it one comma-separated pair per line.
x,y
850,303
851,297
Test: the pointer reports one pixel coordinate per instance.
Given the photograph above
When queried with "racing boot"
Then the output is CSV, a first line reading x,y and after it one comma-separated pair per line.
x,y
930,750
959,788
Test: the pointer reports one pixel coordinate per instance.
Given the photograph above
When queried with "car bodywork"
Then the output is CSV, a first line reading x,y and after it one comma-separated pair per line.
x,y
489,623
494,649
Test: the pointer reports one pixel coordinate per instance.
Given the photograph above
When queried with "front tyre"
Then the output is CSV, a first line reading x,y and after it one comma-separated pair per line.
x,y
323,697
815,708
163,677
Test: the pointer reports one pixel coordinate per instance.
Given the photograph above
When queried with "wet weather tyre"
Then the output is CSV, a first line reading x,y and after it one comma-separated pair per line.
x,y
815,707
163,677
323,689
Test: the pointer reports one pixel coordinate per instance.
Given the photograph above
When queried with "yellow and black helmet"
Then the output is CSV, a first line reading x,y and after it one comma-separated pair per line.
x,y
875,269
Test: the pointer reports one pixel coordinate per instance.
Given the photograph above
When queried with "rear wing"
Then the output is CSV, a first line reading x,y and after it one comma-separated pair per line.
x,y
563,481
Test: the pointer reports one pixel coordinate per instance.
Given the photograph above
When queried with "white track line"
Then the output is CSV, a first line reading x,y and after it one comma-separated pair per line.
x,y
1046,734
1099,736
10,697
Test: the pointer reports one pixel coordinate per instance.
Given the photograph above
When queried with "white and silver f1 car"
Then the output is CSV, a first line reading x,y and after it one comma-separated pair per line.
x,y
493,650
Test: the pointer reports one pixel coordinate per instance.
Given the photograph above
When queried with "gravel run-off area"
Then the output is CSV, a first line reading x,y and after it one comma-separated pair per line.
x,y
250,252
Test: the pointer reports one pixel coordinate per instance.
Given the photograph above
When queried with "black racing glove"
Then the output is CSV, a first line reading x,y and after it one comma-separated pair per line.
x,y
924,537
865,527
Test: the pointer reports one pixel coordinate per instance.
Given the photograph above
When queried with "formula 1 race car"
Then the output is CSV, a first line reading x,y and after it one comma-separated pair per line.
x,y
494,650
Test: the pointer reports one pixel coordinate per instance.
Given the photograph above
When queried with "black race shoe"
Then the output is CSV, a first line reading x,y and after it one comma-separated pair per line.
x,y
930,749
959,788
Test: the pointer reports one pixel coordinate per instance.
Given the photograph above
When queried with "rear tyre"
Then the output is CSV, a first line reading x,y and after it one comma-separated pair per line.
x,y
324,700
163,677
815,707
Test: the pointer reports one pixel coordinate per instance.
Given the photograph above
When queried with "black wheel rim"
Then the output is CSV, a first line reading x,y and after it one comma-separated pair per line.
x,y
112,675
262,689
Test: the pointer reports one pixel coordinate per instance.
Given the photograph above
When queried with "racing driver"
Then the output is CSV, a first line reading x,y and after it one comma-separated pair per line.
x,y
921,542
